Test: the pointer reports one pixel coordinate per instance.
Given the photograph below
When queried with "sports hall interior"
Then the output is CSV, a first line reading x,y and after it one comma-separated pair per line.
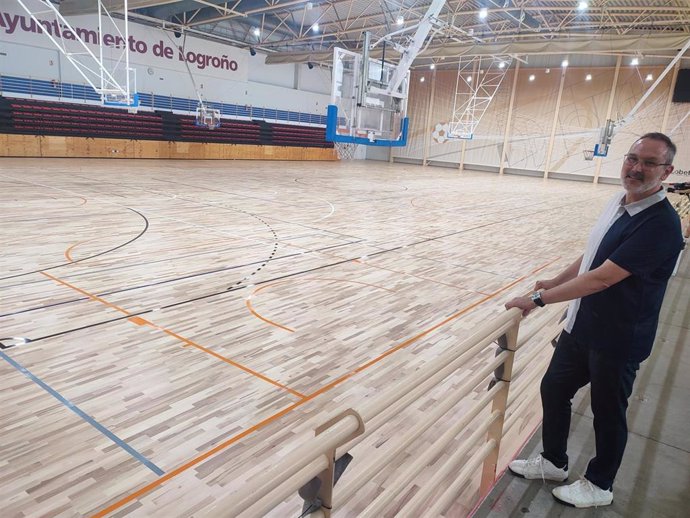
x,y
217,299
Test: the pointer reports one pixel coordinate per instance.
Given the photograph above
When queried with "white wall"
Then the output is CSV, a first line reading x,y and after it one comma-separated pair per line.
x,y
25,52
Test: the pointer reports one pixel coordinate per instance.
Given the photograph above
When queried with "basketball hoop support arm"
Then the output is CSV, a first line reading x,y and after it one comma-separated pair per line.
x,y
649,91
89,66
410,53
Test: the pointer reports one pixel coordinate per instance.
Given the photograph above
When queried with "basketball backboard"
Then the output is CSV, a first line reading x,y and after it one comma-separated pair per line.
x,y
361,109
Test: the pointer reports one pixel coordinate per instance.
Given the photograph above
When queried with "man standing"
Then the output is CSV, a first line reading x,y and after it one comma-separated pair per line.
x,y
616,288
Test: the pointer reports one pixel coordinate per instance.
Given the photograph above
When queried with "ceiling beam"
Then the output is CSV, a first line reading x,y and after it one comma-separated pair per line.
x,y
73,7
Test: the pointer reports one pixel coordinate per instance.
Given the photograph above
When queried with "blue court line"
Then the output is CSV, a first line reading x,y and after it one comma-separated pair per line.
x,y
86,417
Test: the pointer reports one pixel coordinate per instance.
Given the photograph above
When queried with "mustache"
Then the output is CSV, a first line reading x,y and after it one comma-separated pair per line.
x,y
635,176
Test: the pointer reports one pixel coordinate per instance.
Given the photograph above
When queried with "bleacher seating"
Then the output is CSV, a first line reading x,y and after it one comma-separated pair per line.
x,y
29,117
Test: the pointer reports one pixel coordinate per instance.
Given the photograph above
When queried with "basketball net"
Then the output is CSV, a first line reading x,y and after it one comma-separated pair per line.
x,y
345,150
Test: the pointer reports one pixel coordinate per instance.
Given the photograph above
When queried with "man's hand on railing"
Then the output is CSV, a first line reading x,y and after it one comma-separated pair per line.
x,y
525,304
545,284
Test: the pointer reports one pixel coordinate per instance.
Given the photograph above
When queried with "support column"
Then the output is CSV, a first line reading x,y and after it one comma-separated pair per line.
x,y
609,110
462,155
667,111
427,132
549,151
506,134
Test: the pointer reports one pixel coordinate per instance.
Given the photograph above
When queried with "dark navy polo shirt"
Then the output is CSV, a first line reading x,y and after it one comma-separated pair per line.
x,y
621,320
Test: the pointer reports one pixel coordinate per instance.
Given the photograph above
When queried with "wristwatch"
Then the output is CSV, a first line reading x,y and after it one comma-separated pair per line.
x,y
536,298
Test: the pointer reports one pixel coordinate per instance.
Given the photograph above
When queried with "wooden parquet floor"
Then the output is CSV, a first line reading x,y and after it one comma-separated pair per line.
x,y
168,326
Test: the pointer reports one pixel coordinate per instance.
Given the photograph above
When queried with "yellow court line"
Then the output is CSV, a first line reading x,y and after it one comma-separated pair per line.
x,y
263,423
142,321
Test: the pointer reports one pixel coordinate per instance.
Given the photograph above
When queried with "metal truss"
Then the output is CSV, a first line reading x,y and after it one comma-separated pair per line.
x,y
288,27
477,83
110,76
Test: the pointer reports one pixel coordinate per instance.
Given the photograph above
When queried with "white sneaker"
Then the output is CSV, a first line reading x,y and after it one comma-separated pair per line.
x,y
583,494
538,467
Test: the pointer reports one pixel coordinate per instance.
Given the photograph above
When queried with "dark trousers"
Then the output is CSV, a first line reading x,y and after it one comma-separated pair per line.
x,y
573,366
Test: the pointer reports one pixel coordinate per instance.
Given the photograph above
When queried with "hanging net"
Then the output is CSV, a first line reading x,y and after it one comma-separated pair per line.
x,y
589,154
345,150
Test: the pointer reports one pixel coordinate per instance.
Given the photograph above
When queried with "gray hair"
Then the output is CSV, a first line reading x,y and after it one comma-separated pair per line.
x,y
670,146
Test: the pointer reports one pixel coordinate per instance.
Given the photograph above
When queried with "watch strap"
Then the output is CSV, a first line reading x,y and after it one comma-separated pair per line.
x,y
536,298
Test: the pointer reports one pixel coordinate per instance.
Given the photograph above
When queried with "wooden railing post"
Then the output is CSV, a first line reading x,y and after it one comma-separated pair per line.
x,y
327,476
507,342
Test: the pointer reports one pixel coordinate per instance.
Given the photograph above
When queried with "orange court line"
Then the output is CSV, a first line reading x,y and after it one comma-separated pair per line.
x,y
261,424
142,321
270,322
184,467
229,361
89,295
68,252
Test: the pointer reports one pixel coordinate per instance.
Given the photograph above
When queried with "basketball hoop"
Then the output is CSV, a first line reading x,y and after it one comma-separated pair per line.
x,y
345,150
207,117
120,100
589,154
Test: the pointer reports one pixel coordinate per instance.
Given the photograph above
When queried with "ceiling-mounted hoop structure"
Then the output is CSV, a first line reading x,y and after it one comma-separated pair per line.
x,y
208,117
116,84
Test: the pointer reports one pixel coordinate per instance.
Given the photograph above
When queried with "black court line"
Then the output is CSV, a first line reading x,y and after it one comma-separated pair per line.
x,y
146,227
219,205
286,276
167,281
98,271
176,304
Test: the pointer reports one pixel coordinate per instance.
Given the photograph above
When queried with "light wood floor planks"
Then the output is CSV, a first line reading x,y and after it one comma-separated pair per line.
x,y
187,320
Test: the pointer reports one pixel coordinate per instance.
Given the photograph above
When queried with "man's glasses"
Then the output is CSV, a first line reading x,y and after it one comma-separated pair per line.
x,y
633,160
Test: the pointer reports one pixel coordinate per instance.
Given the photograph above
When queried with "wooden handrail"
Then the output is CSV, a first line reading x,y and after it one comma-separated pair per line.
x,y
337,435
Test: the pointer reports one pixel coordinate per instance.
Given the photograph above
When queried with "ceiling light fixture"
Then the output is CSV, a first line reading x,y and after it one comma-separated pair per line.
x,y
432,66
564,63
582,6
315,27
634,62
649,77
256,31
483,13
421,79
400,20
502,64
588,77
532,77
469,79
